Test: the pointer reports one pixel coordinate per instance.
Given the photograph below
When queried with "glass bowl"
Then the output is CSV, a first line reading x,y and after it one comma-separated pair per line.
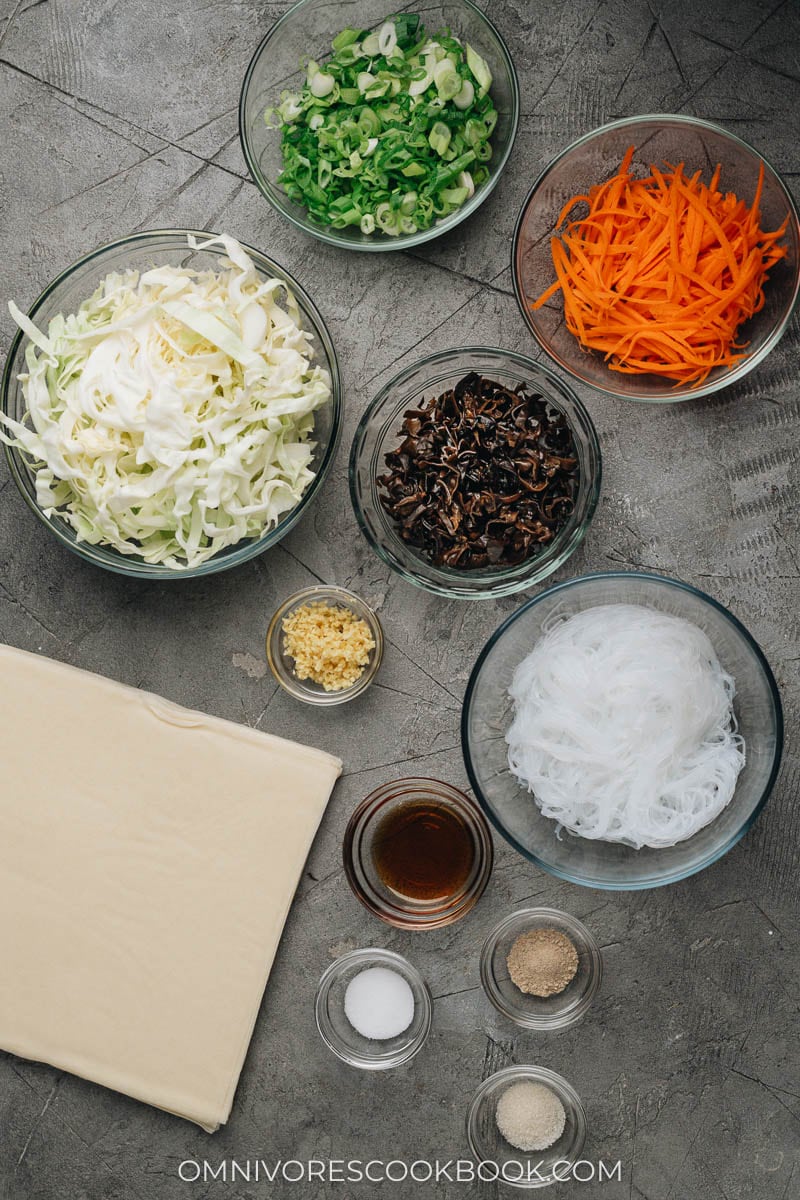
x,y
486,716
377,433
596,157
281,663
391,906
306,31
536,1168
540,1012
140,252
340,1036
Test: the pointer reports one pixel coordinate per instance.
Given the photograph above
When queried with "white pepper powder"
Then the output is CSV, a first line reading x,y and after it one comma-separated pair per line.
x,y
542,962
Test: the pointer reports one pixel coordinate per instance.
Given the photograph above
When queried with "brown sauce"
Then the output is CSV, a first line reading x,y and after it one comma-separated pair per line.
x,y
424,850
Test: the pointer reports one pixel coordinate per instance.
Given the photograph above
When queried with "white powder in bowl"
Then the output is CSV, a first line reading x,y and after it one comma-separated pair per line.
x,y
379,1003
530,1116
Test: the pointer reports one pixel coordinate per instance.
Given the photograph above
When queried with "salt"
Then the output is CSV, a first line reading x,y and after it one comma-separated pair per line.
x,y
379,1003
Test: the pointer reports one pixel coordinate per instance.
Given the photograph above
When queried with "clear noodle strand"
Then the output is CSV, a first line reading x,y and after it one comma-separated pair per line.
x,y
624,728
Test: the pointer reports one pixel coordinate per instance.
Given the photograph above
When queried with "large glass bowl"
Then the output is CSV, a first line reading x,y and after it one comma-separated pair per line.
x,y
595,158
487,715
377,433
139,252
306,31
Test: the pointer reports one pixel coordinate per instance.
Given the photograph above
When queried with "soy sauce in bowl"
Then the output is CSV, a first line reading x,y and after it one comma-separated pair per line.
x,y
423,850
418,853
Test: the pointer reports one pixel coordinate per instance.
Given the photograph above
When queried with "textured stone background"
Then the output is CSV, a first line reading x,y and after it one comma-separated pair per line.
x,y
122,116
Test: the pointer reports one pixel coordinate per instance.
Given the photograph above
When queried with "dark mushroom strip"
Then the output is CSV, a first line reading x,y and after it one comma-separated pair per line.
x,y
483,475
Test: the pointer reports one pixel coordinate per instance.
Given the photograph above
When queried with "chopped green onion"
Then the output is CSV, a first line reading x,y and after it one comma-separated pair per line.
x,y
387,38
371,45
447,79
369,123
454,196
386,219
391,133
345,38
480,70
421,83
350,54
464,98
439,137
324,172
322,85
408,29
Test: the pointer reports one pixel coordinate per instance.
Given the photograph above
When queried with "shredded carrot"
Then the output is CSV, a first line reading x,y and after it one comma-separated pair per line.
x,y
661,272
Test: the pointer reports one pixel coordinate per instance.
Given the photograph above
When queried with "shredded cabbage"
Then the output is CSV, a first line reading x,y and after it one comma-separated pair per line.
x,y
171,415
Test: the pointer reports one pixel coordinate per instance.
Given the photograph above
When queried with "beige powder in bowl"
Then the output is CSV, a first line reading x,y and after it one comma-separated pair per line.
x,y
542,962
530,1116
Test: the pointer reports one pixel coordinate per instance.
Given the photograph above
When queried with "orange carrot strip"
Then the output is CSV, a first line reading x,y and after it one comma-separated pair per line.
x,y
661,272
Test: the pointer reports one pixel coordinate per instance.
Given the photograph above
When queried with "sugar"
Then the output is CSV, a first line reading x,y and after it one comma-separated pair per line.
x,y
379,1003
530,1116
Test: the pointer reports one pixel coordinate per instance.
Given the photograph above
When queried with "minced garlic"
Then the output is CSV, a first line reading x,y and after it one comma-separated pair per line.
x,y
329,644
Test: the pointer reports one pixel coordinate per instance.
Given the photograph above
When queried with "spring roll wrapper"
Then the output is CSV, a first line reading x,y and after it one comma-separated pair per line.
x,y
148,859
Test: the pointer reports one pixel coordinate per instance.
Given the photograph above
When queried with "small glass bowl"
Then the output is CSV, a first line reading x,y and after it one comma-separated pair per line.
x,y
538,1168
594,158
281,663
402,911
305,31
340,1036
540,1012
377,433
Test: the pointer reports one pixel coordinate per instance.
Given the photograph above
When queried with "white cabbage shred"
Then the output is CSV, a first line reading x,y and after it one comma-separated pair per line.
x,y
624,728
171,415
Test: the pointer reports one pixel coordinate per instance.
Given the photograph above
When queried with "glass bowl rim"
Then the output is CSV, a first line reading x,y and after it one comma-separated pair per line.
x,y
445,916
405,241
642,882
541,1022
679,394
136,568
517,1073
375,956
510,580
343,596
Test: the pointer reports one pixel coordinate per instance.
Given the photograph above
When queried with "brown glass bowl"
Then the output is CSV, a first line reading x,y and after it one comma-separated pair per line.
x,y
401,911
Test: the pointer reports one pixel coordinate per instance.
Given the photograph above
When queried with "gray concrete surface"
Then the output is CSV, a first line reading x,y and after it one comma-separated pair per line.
x,y
122,116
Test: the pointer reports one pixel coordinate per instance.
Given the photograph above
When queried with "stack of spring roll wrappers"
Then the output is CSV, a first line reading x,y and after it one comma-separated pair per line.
x,y
148,858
